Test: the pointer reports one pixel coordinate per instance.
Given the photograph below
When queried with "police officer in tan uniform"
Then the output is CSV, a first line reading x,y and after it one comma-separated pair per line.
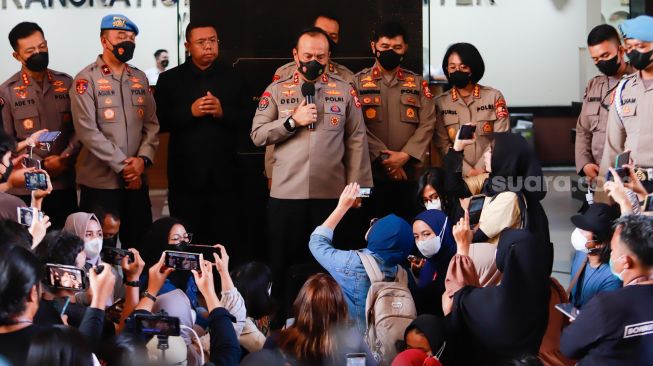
x,y
468,102
399,114
607,52
331,26
115,118
36,98
629,120
319,148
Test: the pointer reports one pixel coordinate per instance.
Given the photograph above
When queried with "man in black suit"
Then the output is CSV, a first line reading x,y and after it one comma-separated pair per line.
x,y
202,103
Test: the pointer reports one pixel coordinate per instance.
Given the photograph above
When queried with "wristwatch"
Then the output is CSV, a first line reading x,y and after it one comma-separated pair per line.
x,y
146,161
149,296
132,283
290,124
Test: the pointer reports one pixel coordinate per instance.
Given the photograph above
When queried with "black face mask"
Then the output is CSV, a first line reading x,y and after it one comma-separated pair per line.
x,y
38,62
609,67
639,60
333,47
165,63
460,79
311,70
7,172
389,59
181,247
110,242
124,51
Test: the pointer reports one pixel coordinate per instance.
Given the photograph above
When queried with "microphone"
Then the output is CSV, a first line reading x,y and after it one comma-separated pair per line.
x,y
308,91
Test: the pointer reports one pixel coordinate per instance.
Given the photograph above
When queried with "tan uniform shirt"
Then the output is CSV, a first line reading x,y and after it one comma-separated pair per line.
x,y
319,163
29,106
486,108
399,114
593,119
632,128
115,118
285,72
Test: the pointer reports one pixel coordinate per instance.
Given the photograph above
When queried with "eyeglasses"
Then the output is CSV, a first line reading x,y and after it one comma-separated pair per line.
x,y
188,237
203,42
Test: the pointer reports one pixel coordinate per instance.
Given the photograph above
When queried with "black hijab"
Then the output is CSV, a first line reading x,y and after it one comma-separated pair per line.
x,y
433,329
515,168
508,320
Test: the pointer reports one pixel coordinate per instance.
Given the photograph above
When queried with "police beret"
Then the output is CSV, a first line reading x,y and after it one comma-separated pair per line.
x,y
119,22
638,28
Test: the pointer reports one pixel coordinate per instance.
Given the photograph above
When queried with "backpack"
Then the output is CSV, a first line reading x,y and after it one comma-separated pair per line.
x,y
389,309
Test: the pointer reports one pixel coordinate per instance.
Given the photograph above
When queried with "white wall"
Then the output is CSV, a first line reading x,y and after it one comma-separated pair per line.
x,y
532,48
73,33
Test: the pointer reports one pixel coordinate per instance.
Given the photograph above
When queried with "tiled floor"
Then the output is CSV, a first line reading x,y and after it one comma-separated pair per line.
x,y
558,205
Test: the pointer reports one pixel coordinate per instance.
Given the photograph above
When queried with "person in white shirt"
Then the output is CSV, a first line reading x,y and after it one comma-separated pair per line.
x,y
162,61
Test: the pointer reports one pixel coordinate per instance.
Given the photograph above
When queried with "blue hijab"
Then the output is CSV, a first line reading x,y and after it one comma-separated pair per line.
x,y
391,239
437,265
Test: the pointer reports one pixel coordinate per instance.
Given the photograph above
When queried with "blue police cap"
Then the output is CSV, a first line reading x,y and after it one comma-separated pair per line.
x,y
638,28
119,22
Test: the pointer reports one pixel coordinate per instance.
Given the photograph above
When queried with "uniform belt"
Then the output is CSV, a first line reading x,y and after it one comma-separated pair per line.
x,y
644,174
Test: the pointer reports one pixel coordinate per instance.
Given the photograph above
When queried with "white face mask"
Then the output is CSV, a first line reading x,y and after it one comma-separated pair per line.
x,y
434,204
578,240
92,248
431,246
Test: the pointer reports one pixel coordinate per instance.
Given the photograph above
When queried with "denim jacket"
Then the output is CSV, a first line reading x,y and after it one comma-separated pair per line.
x,y
346,268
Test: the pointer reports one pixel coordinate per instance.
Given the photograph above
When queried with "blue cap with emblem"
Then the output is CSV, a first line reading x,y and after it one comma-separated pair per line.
x,y
638,28
119,22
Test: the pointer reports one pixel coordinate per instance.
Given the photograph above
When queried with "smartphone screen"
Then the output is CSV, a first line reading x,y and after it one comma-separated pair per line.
x,y
568,309
466,132
648,203
356,359
475,208
364,192
115,255
50,136
158,325
34,181
65,277
26,215
622,159
183,261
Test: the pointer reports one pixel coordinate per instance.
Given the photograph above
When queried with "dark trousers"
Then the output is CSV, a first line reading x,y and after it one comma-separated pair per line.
x,y
57,206
290,224
397,197
133,206
209,215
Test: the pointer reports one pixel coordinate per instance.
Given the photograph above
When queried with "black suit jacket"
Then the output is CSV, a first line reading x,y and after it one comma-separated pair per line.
x,y
201,150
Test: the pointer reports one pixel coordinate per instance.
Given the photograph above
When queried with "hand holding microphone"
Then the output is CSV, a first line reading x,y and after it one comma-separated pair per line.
x,y
306,112
308,91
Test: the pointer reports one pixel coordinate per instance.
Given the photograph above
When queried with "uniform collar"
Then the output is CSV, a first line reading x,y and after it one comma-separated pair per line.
x,y
322,79
638,80
476,93
106,70
377,73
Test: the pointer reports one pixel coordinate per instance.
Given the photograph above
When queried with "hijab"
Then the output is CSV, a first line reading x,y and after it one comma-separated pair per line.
x,y
77,224
508,320
391,239
439,263
515,168
433,329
